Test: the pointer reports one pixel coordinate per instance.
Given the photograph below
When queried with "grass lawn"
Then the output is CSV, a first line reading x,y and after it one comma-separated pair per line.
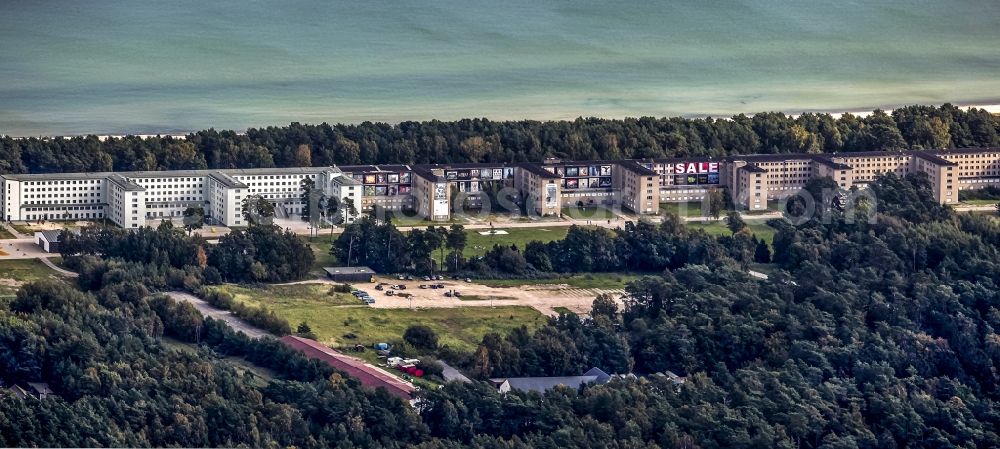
x,y
14,273
978,202
561,310
986,213
313,295
462,328
718,228
321,249
589,213
477,244
693,209
589,280
261,375
766,268
23,229
401,219
689,209
5,234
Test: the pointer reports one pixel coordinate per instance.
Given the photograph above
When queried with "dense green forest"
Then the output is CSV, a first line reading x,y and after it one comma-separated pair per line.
x,y
481,140
874,335
637,246
263,253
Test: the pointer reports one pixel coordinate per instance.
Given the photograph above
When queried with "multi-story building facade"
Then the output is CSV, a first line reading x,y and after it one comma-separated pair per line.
x,y
435,191
130,198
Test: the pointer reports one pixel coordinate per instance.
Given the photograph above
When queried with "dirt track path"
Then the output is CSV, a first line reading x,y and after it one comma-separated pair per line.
x,y
209,310
57,268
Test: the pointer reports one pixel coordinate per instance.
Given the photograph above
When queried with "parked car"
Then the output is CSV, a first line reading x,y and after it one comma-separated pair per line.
x,y
401,287
424,286
448,294
390,293
401,277
427,278
440,286
468,280
457,294
379,287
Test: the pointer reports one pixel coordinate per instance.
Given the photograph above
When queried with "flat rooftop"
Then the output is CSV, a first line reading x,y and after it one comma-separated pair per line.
x,y
167,173
348,270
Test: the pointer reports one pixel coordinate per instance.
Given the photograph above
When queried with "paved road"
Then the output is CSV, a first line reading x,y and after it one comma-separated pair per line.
x,y
57,268
14,232
209,310
21,249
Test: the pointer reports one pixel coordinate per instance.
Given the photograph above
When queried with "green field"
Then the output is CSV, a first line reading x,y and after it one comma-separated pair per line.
x,y
14,273
477,244
312,295
978,202
589,213
5,234
261,375
718,228
986,213
461,328
590,280
766,268
321,249
409,219
694,209
689,209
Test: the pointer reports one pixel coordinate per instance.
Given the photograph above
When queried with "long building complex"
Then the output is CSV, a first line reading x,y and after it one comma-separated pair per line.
x,y
435,191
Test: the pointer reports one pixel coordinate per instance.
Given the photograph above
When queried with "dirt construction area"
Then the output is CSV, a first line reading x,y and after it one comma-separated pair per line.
x,y
543,297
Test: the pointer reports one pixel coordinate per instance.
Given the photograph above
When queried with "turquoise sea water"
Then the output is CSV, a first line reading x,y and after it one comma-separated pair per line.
x,y
115,66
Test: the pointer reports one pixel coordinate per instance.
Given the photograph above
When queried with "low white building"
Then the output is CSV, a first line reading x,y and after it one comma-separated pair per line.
x,y
48,240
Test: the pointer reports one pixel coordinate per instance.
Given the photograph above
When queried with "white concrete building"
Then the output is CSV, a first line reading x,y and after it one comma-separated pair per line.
x,y
341,186
130,198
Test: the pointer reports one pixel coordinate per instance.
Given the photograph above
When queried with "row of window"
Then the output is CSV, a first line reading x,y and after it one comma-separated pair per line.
x,y
63,182
67,215
59,189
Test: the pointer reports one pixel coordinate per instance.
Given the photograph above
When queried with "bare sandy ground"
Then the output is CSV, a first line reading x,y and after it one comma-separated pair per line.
x,y
544,298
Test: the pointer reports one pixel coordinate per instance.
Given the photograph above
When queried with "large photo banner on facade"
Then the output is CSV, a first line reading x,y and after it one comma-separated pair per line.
x,y
384,183
694,173
597,176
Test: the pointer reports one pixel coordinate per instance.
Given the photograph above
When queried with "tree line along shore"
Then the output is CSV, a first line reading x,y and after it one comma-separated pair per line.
x,y
482,140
